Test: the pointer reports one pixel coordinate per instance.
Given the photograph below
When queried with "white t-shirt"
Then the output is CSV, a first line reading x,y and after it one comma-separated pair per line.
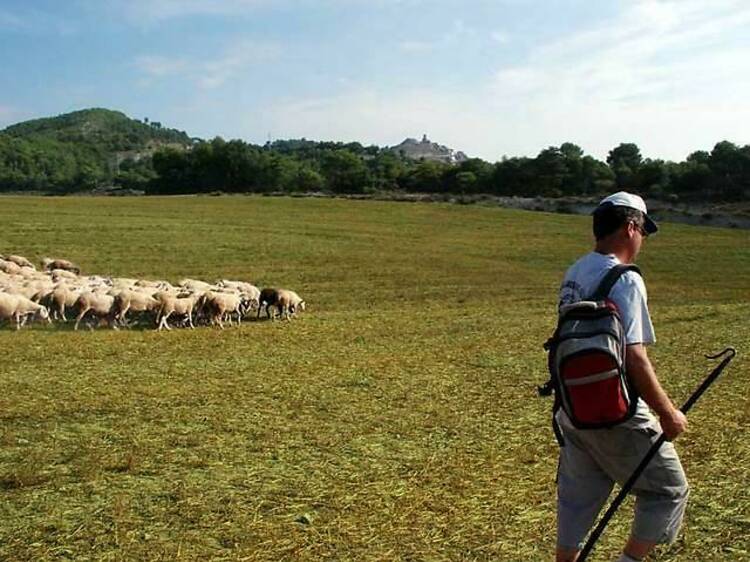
x,y
628,293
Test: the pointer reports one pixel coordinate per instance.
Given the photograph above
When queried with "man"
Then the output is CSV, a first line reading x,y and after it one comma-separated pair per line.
x,y
593,459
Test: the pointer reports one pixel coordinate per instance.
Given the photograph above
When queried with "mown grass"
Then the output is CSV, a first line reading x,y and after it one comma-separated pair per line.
x,y
396,420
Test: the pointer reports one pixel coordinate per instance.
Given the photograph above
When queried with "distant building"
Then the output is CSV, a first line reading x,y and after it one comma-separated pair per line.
x,y
428,150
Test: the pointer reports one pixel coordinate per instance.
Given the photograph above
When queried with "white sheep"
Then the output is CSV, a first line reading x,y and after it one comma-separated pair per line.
x,y
10,267
289,303
220,305
100,304
62,297
248,290
195,285
60,274
19,308
177,305
20,261
137,301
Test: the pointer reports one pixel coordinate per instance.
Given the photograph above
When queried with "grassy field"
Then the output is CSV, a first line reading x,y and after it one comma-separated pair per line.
x,y
397,419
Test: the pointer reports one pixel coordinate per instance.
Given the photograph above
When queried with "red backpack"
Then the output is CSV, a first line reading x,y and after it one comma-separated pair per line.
x,y
586,361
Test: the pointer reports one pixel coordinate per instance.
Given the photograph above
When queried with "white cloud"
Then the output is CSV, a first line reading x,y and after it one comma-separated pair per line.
x,y
417,47
209,73
11,21
154,11
646,75
501,37
159,66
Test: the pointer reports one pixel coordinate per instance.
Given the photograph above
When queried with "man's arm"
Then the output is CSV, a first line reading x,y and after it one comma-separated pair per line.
x,y
641,372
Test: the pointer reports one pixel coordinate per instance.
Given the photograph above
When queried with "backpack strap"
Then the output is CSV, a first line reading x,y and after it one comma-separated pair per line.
x,y
606,284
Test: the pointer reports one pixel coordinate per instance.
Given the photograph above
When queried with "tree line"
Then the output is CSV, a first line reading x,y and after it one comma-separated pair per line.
x,y
61,166
301,165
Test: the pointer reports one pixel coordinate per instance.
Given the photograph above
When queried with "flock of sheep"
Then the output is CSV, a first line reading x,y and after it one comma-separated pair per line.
x,y
59,288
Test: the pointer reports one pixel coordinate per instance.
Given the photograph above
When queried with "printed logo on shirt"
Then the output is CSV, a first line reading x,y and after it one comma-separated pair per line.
x,y
570,292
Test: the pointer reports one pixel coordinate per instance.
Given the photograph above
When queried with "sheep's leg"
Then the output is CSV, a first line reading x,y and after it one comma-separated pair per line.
x,y
120,316
80,315
190,320
163,322
17,318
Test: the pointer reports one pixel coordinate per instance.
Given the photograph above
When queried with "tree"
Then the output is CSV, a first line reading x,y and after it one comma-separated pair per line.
x,y
731,170
345,172
654,177
625,160
426,177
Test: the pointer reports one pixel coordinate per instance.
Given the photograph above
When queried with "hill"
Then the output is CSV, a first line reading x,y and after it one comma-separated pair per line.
x,y
81,151
110,131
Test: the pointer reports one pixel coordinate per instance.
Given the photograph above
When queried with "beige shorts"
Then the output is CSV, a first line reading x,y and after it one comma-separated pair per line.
x,y
592,460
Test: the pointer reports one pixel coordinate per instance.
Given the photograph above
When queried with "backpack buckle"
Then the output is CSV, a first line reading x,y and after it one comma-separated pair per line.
x,y
546,389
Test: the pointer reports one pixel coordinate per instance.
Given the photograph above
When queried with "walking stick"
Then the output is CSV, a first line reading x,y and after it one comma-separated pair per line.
x,y
730,353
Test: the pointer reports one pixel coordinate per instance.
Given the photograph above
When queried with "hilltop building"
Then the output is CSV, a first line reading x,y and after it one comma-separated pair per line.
x,y
428,150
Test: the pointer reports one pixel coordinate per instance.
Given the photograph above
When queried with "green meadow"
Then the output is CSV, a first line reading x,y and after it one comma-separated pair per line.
x,y
395,419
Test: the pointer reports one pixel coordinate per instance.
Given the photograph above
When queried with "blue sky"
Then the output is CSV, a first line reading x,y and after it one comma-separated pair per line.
x,y
489,77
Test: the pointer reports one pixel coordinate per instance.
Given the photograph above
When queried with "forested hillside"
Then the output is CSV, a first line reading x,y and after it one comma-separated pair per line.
x,y
98,148
80,151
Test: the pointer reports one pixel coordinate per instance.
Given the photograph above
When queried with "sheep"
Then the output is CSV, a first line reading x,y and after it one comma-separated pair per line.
x,y
250,291
30,289
288,303
19,308
20,261
97,281
123,282
48,264
61,298
101,304
220,304
59,274
10,267
155,285
178,305
268,297
195,285
136,301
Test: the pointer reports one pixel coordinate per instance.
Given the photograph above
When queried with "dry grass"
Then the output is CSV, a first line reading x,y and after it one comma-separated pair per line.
x,y
396,420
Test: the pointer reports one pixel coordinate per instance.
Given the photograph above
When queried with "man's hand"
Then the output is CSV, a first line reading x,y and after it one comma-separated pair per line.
x,y
673,421
673,424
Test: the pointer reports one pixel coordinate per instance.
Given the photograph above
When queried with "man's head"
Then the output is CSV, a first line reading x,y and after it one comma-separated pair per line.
x,y
618,210
621,220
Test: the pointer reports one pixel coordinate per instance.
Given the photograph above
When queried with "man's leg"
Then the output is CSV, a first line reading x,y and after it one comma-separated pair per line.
x,y
637,549
661,491
582,489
